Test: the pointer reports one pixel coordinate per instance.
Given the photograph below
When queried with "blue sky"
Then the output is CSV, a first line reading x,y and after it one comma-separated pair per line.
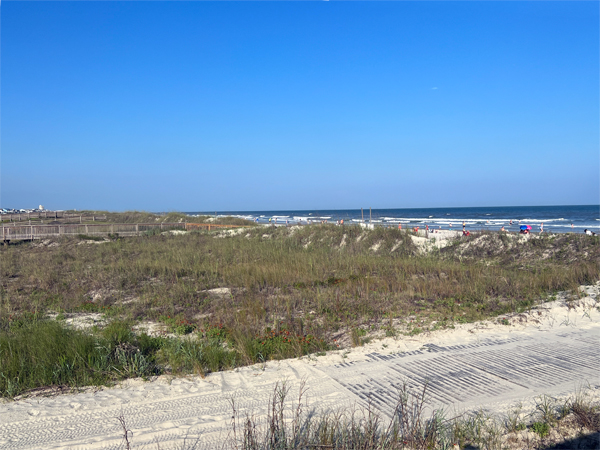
x,y
200,106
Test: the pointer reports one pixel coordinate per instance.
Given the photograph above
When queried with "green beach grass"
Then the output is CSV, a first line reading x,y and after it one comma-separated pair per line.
x,y
283,292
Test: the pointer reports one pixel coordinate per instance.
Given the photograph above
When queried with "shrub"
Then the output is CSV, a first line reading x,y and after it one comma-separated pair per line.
x,y
541,428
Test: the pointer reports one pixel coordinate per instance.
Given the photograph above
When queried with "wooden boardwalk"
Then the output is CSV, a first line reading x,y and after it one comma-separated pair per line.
x,y
30,232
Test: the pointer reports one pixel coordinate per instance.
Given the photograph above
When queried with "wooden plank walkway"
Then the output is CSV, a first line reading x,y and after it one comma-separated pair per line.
x,y
30,232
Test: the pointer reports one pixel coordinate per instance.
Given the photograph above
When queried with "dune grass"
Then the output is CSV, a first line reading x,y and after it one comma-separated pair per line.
x,y
169,217
572,422
566,423
276,275
41,353
291,291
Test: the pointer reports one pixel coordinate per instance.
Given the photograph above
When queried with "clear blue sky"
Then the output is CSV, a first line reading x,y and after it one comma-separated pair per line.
x,y
323,105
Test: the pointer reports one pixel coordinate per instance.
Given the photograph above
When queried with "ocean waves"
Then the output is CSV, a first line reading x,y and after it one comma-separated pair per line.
x,y
553,218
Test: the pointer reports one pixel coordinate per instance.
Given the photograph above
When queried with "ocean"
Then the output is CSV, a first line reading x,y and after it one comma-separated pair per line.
x,y
569,219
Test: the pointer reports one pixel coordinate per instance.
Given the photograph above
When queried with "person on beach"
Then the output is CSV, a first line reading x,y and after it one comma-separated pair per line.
x,y
464,224
589,232
399,226
510,223
542,227
342,222
466,233
502,229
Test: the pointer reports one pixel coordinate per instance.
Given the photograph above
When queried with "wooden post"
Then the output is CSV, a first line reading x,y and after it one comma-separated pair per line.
x,y
369,215
79,218
137,229
59,230
86,229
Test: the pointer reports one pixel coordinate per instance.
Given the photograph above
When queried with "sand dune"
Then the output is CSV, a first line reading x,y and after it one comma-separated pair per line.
x,y
552,349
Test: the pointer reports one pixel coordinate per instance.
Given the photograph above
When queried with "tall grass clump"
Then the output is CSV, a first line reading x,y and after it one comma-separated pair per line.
x,y
414,425
44,353
37,353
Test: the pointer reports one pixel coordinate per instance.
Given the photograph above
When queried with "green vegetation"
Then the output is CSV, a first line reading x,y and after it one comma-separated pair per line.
x,y
100,217
412,427
146,217
36,353
541,428
284,292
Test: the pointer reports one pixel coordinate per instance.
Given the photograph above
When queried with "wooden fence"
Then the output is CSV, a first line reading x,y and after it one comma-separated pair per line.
x,y
27,232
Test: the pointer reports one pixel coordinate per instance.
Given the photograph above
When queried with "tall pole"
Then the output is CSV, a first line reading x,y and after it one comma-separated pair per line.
x,y
362,216
369,215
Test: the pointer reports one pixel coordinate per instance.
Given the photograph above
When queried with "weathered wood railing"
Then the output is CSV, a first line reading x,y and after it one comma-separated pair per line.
x,y
26,232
